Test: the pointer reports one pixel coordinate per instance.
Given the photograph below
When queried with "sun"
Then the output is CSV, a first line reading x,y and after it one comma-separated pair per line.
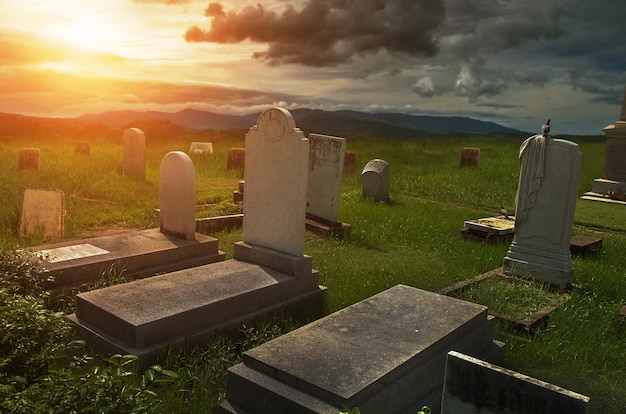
x,y
91,34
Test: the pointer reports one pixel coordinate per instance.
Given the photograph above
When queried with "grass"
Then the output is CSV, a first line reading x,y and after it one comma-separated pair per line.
x,y
415,240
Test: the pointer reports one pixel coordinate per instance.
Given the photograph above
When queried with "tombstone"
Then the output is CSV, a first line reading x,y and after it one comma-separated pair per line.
x,y
82,148
201,148
238,194
135,153
375,180
473,386
349,163
236,158
385,354
613,181
470,157
177,196
544,213
277,158
29,159
43,212
326,160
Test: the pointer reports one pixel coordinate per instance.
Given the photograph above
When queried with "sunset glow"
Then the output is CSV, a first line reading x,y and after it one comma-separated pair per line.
x,y
507,63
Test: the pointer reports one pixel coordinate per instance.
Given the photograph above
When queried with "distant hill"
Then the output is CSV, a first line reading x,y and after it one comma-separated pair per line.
x,y
324,122
339,123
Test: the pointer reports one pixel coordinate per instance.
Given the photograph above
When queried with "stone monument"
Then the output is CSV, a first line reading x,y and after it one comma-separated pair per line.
x,y
177,196
613,181
375,180
545,205
43,211
134,153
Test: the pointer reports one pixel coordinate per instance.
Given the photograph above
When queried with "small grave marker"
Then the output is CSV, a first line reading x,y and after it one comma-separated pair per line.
x,y
177,198
43,211
135,153
82,148
375,180
29,159
470,157
236,158
201,148
349,163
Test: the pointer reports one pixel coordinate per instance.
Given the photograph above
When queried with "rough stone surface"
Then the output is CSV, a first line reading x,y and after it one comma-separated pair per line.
x,y
134,153
384,354
375,180
544,214
177,196
473,386
326,160
43,213
277,156
29,159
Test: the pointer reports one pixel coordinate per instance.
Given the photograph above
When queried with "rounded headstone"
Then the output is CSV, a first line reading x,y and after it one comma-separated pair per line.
x,y
177,198
375,180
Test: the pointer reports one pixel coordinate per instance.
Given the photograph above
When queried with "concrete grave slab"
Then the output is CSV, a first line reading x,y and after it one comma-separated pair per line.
x,y
473,386
140,253
43,212
384,354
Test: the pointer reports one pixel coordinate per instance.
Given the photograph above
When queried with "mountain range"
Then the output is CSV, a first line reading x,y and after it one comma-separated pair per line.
x,y
390,125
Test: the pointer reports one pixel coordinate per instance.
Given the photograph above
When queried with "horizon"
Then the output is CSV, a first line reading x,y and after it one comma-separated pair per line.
x,y
511,64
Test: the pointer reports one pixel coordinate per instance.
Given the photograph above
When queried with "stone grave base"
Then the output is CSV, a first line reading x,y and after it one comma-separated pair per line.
x,y
473,386
141,254
325,227
547,265
385,354
145,317
490,229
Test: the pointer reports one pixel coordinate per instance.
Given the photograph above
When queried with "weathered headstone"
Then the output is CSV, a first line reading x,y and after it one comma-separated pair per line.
x,y
201,148
238,194
544,213
473,386
613,181
29,159
43,213
470,157
275,175
326,159
236,158
135,153
375,180
177,196
349,163
82,148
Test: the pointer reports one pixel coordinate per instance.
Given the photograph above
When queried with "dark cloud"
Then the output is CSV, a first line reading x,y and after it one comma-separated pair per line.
x,y
328,32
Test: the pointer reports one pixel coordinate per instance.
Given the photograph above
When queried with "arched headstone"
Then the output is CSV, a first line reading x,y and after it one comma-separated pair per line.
x,y
375,180
135,153
177,196
277,157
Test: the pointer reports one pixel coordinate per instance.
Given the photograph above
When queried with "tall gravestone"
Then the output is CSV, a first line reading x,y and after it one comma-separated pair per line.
x,y
135,153
375,180
177,196
43,212
277,157
613,181
544,214
326,161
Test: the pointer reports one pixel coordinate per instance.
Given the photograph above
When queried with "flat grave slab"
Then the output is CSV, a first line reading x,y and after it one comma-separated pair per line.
x,y
141,253
384,354
145,316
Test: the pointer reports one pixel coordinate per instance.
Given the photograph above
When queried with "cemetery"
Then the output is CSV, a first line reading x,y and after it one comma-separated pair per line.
x,y
273,315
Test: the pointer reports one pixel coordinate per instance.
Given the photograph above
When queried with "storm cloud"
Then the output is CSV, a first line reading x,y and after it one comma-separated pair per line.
x,y
328,32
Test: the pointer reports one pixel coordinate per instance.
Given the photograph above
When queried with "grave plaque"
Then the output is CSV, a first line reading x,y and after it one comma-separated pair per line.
x,y
43,211
177,198
201,148
546,200
29,159
326,160
135,153
375,180
277,157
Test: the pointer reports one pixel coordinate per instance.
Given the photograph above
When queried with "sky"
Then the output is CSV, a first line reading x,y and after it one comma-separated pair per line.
x,y
514,62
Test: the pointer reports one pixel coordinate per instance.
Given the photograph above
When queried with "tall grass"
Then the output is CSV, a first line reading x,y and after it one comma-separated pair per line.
x,y
414,239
